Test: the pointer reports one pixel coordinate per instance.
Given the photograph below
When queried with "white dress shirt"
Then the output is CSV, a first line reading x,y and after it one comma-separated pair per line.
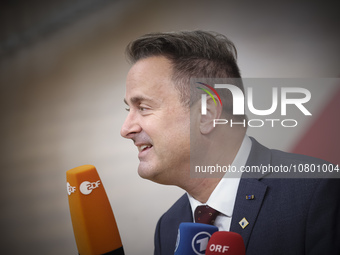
x,y
223,196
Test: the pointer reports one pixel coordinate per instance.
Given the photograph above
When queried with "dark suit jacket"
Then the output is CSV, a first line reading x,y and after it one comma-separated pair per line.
x,y
287,216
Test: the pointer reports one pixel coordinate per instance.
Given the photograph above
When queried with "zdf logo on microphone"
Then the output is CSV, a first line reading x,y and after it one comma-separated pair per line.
x,y
86,187
70,189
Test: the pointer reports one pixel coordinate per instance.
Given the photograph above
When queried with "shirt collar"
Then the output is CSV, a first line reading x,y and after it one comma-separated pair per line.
x,y
223,197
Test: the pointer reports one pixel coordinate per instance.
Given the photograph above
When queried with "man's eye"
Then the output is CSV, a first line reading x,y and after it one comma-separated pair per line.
x,y
143,108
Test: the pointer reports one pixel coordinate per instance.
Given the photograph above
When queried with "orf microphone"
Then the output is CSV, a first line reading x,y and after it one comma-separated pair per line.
x,y
225,242
192,238
94,224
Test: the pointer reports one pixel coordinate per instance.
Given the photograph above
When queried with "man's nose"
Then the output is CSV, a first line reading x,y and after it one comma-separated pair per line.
x,y
130,126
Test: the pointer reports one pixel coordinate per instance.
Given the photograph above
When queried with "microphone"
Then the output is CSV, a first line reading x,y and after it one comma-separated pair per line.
x,y
192,238
225,242
94,225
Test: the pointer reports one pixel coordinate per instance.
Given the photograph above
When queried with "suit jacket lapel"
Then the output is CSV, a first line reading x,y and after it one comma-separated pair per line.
x,y
250,184
247,209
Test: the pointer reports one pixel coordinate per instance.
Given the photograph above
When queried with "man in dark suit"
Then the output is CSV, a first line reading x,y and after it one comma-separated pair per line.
x,y
287,216
173,136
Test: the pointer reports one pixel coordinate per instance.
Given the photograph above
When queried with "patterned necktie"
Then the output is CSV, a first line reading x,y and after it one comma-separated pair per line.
x,y
205,214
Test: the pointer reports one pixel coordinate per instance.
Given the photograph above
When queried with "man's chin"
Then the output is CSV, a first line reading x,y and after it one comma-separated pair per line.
x,y
146,172
151,174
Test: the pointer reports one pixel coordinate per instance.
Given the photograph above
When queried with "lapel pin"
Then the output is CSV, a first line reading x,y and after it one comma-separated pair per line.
x,y
243,223
250,197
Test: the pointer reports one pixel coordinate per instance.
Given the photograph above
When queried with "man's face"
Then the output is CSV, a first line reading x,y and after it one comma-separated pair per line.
x,y
157,122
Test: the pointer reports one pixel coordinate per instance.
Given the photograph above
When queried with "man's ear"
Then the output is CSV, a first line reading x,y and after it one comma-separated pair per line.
x,y
214,111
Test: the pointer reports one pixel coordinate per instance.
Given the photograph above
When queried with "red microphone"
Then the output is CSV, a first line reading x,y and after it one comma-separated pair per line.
x,y
225,242
94,224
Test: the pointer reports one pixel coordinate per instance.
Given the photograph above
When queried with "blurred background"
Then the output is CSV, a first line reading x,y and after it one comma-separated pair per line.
x,y
62,77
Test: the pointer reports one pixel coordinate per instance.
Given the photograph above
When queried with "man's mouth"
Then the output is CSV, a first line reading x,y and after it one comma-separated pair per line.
x,y
144,147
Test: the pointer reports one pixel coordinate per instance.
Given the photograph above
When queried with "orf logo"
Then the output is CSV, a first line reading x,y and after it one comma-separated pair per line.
x,y
87,187
199,242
